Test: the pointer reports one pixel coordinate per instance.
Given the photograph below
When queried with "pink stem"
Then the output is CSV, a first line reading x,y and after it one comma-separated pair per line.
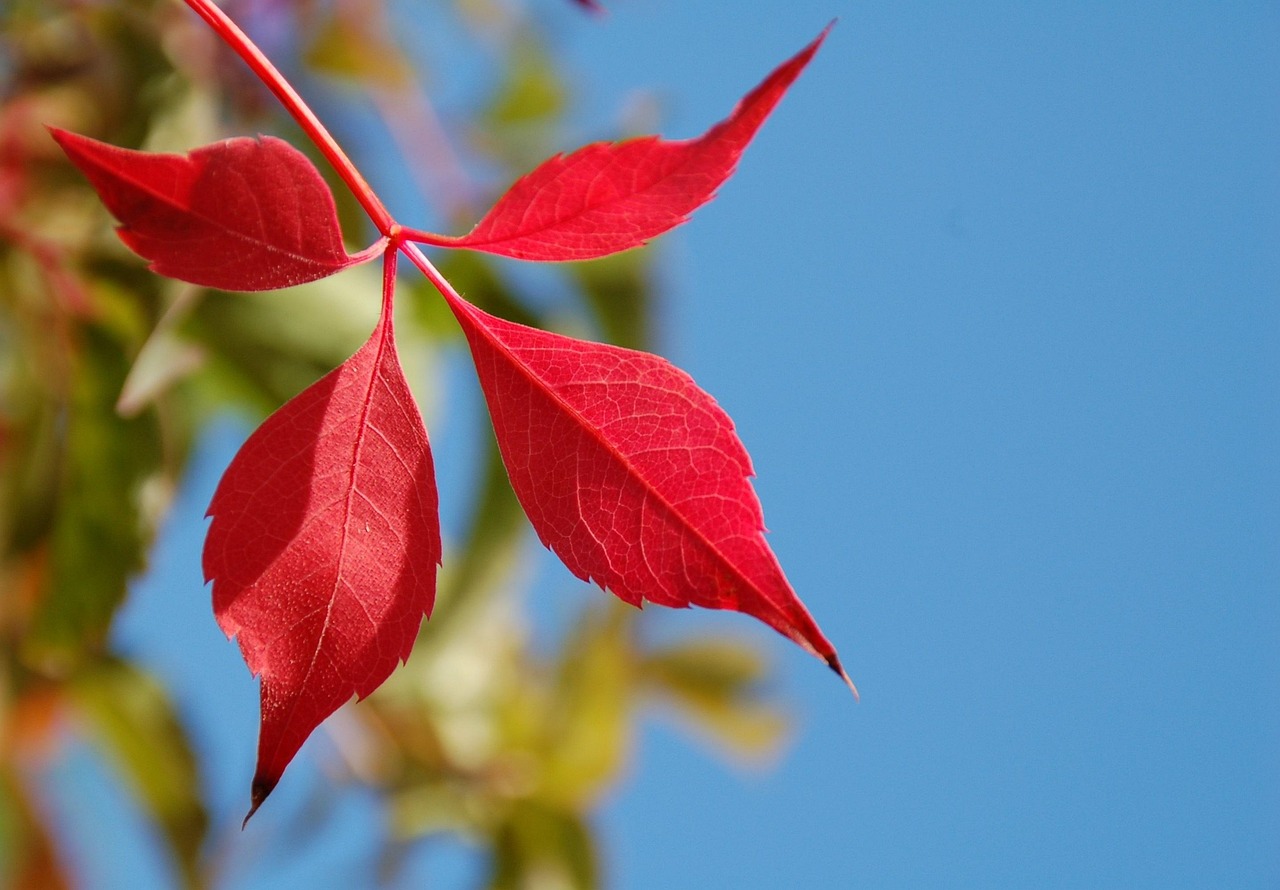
x,y
423,237
388,285
231,34
416,256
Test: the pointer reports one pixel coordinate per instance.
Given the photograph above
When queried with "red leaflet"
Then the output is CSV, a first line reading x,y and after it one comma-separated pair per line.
x,y
632,474
612,196
324,546
244,214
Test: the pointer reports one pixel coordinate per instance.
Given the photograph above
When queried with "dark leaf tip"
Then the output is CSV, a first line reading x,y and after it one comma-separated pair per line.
x,y
833,662
261,788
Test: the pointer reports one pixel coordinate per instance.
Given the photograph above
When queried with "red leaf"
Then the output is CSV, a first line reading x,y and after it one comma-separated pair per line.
x,y
324,546
243,214
612,196
632,474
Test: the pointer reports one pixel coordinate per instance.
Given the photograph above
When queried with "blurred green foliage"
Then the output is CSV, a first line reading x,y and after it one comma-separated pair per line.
x,y
108,374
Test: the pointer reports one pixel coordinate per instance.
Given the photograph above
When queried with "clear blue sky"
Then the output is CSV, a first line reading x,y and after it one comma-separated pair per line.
x,y
995,303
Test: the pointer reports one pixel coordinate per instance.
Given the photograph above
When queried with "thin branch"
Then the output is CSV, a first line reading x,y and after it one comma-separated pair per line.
x,y
231,34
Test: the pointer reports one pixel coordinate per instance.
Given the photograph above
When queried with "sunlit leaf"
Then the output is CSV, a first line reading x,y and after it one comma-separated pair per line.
x,y
632,475
242,214
324,545
613,196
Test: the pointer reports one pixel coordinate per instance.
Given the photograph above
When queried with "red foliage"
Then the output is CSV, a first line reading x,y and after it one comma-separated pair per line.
x,y
325,538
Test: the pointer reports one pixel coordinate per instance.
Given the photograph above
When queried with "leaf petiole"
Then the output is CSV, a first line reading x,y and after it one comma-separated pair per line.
x,y
421,236
427,268
388,282
373,251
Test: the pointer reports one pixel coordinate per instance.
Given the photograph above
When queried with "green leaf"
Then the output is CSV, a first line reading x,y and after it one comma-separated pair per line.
x,y
714,684
618,291
519,126
589,718
28,856
99,530
486,560
354,50
132,720
531,90
265,348
543,847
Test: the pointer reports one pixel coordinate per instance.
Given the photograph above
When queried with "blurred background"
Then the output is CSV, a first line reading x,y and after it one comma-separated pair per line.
x,y
993,300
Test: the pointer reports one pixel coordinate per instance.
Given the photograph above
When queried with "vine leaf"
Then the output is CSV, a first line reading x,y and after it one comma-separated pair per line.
x,y
324,546
632,475
612,196
243,214
325,537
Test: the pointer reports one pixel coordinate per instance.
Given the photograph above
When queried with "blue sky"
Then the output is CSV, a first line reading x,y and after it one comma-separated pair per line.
x,y
993,301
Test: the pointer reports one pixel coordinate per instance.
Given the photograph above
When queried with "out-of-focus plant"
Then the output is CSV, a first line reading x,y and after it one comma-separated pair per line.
x,y
109,373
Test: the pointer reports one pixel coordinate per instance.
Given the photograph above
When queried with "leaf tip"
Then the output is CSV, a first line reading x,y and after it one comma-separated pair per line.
x,y
65,138
261,788
811,50
833,662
